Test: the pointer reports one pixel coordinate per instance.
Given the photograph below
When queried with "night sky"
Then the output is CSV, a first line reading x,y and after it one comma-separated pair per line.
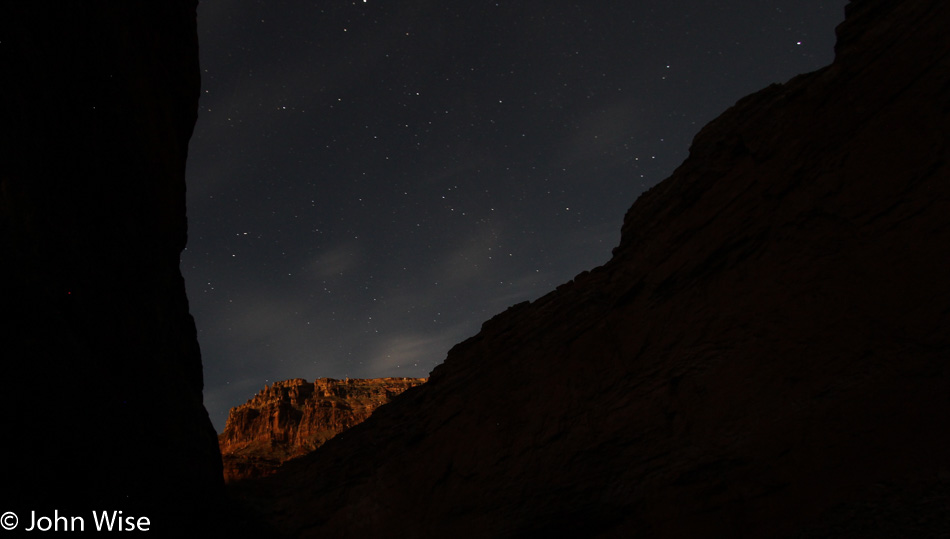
x,y
369,181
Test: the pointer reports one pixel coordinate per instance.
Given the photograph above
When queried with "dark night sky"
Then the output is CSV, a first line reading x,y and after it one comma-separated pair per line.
x,y
370,181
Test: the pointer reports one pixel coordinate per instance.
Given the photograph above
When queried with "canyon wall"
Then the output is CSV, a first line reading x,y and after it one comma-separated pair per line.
x,y
765,355
293,417
102,405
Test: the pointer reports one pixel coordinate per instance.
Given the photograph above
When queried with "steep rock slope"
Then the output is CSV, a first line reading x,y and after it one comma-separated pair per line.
x,y
765,355
102,406
292,418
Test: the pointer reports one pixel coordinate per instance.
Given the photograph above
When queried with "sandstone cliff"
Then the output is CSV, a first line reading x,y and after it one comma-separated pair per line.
x,y
292,418
102,404
765,355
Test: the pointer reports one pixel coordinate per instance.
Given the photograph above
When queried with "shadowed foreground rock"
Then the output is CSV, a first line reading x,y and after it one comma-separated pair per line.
x,y
101,407
765,355
292,418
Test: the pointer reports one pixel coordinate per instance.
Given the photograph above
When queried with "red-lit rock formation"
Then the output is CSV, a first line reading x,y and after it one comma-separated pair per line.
x,y
292,418
765,355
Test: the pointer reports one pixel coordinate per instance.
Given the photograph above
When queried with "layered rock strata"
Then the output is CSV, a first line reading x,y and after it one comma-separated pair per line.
x,y
292,418
765,355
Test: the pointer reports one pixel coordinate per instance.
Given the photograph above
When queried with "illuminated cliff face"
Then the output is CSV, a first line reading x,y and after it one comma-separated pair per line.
x,y
292,418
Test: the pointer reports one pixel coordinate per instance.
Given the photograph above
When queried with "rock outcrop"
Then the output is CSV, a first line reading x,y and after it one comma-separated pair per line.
x,y
102,401
292,418
765,355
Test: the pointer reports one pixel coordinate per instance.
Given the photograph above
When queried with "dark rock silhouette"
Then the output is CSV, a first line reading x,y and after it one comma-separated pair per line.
x,y
292,418
765,355
102,406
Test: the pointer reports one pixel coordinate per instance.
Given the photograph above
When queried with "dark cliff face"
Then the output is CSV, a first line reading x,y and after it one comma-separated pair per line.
x,y
102,403
293,417
765,355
